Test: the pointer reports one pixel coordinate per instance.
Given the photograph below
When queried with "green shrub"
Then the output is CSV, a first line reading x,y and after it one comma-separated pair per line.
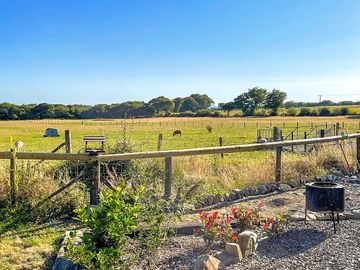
x,y
186,114
204,113
262,112
281,112
344,111
324,112
306,112
126,226
292,111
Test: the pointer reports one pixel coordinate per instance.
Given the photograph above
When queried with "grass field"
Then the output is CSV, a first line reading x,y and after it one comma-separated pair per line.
x,y
28,245
143,133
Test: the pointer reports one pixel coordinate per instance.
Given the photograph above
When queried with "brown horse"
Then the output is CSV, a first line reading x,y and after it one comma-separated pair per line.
x,y
177,132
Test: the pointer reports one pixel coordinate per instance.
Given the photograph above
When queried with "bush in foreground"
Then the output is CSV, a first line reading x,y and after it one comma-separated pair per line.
x,y
122,229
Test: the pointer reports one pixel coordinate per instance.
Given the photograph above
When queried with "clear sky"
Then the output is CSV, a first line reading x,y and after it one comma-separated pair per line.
x,y
91,51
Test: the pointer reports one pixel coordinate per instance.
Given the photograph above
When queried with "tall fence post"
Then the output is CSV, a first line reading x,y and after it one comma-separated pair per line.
x,y
278,151
159,142
305,137
13,176
95,187
68,141
322,133
221,144
168,177
337,128
358,153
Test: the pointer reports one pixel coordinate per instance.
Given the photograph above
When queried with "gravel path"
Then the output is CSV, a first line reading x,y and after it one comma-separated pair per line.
x,y
311,246
300,246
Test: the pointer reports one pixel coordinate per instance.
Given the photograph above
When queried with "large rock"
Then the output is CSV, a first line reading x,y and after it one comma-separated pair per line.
x,y
248,243
234,249
207,262
226,258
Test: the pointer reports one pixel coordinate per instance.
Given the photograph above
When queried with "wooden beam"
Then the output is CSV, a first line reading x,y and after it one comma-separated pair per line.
x,y
278,165
68,141
61,189
159,142
95,187
224,149
50,156
168,177
13,176
358,153
221,144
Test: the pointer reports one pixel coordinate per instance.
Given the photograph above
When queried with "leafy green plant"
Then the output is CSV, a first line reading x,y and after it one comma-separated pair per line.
x,y
122,229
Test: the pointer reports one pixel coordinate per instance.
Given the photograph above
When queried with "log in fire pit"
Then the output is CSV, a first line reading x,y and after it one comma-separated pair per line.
x,y
325,197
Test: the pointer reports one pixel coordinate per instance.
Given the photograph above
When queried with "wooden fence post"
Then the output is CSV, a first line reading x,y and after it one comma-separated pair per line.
x,y
168,177
221,144
322,133
13,176
278,151
159,142
358,153
68,141
305,137
337,128
95,187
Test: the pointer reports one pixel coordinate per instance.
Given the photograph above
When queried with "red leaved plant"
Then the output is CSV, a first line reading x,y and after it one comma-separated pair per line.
x,y
226,227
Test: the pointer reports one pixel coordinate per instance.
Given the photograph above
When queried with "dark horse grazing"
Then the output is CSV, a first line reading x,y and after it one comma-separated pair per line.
x,y
177,132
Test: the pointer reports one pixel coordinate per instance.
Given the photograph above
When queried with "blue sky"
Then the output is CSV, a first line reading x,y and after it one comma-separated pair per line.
x,y
87,51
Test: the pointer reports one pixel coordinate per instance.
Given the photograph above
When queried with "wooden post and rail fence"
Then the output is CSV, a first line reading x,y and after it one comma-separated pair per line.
x,y
276,145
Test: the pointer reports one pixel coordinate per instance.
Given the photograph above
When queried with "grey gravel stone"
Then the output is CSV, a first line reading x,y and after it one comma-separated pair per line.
x,y
293,183
284,187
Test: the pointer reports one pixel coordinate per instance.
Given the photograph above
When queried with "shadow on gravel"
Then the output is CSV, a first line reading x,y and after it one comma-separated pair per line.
x,y
291,243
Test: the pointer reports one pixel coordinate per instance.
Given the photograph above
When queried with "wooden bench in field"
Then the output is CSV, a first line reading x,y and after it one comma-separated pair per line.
x,y
97,140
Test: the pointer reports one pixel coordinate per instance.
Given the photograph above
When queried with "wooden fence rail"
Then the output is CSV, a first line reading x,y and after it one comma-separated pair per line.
x,y
168,155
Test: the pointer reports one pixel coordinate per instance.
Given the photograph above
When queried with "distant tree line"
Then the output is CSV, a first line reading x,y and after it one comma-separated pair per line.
x,y
254,102
324,103
160,106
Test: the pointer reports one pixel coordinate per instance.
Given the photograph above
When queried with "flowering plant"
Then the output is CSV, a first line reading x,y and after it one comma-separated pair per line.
x,y
226,227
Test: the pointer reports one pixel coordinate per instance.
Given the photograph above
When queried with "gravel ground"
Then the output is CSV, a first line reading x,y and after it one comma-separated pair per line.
x,y
311,246
300,246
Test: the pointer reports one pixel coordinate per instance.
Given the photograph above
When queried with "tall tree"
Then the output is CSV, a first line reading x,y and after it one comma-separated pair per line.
x,y
274,100
178,102
228,107
203,100
249,101
189,104
162,104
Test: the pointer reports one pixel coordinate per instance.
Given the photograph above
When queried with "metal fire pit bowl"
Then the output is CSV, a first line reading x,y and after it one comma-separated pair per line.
x,y
325,197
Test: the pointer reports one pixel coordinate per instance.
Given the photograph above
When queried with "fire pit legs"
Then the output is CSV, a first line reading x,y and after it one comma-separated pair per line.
x,y
333,219
325,197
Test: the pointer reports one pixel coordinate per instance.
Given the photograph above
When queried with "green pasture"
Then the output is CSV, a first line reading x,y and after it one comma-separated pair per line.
x,y
143,133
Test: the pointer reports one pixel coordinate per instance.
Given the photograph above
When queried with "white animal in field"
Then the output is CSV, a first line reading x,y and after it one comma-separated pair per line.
x,y
19,146
262,140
